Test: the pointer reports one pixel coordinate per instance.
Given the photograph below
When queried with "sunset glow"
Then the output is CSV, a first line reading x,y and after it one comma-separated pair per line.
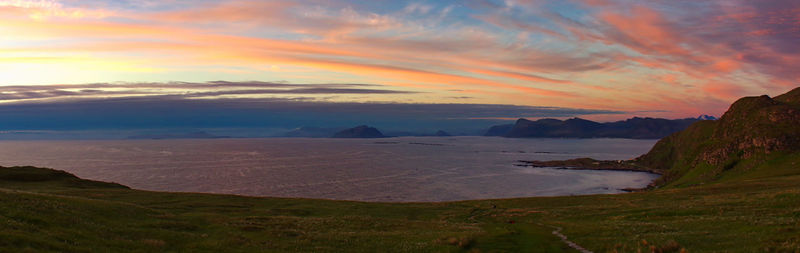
x,y
655,58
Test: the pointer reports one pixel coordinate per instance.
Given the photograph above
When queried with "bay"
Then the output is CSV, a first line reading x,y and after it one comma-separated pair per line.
x,y
404,169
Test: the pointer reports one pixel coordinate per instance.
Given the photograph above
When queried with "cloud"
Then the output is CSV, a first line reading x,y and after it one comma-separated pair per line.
x,y
607,54
46,9
717,39
182,90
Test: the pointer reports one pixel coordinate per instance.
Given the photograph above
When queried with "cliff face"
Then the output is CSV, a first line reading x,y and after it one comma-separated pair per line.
x,y
753,131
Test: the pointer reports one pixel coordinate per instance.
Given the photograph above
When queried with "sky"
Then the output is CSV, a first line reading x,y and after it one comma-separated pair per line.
x,y
597,59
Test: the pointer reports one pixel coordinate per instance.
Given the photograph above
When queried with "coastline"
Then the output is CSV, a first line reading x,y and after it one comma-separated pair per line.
x,y
589,164
598,165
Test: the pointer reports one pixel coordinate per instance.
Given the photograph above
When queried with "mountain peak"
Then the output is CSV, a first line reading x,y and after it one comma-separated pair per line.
x,y
523,120
748,104
706,117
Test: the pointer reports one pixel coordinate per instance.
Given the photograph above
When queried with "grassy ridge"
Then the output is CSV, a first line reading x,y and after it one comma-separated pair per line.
x,y
754,131
738,215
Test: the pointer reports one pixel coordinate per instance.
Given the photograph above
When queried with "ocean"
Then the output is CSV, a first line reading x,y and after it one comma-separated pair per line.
x,y
404,169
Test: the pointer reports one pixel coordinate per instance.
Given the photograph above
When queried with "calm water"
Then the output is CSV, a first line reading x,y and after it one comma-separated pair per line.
x,y
394,169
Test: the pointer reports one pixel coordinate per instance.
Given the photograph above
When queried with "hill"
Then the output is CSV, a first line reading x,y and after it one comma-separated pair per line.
x,y
634,128
752,134
757,137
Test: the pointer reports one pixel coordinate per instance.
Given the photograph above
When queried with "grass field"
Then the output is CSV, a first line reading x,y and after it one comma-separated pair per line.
x,y
44,211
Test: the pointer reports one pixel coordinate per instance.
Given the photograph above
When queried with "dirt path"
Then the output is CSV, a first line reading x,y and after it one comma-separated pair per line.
x,y
563,237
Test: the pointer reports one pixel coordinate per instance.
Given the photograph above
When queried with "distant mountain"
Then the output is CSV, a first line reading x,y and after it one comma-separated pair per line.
x,y
706,117
578,128
359,132
757,136
192,135
634,128
499,130
313,132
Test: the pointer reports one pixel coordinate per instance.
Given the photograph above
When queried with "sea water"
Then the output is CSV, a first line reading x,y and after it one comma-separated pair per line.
x,y
400,169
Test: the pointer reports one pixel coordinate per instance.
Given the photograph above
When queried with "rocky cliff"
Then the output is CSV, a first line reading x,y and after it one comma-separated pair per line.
x,y
754,131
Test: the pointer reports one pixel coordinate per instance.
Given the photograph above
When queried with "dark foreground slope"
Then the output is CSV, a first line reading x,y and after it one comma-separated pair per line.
x,y
754,132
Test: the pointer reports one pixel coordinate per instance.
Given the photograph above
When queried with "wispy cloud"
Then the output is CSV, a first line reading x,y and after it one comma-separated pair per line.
x,y
181,90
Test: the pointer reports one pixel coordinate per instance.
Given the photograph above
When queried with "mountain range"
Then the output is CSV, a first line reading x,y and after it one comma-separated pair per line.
x,y
634,128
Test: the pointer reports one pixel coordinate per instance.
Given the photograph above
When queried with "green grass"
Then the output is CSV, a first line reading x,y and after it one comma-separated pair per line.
x,y
59,213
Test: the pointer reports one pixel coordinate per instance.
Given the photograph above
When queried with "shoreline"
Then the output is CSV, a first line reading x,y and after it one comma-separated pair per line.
x,y
584,168
597,165
588,164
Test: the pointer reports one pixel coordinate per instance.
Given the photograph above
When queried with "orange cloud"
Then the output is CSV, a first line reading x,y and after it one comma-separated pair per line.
x,y
230,49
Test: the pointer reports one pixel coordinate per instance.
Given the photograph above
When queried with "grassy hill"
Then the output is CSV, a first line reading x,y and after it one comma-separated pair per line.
x,y
730,186
752,133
